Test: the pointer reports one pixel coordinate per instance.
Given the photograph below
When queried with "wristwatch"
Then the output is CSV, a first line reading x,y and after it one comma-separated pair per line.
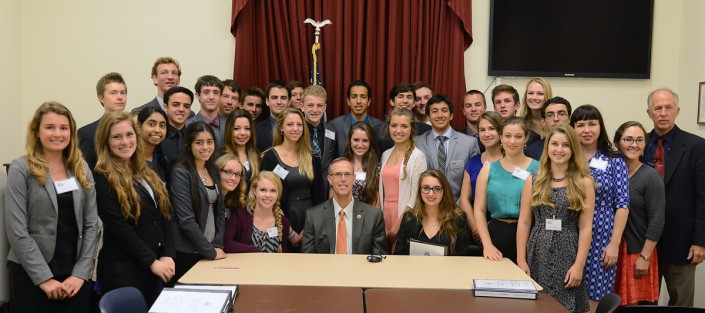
x,y
646,258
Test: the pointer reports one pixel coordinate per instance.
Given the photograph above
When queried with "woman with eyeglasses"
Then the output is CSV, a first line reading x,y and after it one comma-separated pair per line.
x,y
232,182
435,219
608,169
637,280
260,226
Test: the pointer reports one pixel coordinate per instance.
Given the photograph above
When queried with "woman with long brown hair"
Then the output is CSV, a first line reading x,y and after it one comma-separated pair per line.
x,y
241,141
291,159
133,203
51,217
436,218
362,150
401,167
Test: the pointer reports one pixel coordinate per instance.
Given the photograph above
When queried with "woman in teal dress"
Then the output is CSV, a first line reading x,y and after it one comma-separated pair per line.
x,y
499,187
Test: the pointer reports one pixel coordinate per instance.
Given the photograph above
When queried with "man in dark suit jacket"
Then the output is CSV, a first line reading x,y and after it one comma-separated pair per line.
x,y
277,98
166,73
112,94
361,226
322,139
555,111
402,95
359,102
681,163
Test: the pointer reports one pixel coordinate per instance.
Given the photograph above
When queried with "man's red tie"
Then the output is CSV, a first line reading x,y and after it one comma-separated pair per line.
x,y
660,158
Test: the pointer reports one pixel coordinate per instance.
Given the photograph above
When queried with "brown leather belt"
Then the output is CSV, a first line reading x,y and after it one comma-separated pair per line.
x,y
508,221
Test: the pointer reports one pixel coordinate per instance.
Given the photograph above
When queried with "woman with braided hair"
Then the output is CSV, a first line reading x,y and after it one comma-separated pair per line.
x,y
401,167
262,226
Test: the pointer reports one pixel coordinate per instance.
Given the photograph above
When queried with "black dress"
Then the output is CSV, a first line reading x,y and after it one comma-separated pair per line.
x,y
411,228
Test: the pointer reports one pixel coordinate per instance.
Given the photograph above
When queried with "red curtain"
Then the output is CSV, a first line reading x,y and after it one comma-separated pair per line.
x,y
381,42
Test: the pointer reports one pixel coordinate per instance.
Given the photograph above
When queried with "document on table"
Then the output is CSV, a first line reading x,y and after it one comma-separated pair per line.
x,y
174,300
428,249
519,289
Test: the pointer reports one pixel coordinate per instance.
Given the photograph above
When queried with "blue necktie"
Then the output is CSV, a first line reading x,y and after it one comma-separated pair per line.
x,y
316,146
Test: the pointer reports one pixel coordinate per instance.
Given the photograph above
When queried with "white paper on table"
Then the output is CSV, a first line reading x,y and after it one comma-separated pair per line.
x,y
187,301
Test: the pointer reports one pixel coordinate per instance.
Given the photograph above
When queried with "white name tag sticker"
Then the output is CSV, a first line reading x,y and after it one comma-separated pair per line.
x,y
456,164
272,232
281,172
520,173
246,165
598,164
330,134
360,175
65,185
553,224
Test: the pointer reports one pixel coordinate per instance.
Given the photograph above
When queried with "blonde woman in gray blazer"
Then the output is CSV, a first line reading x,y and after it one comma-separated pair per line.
x,y
51,217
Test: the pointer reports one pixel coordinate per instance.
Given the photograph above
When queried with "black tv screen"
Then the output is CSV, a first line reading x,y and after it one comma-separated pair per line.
x,y
596,38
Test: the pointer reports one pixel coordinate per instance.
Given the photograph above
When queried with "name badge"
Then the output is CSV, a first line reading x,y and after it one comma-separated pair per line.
x,y
553,224
360,175
281,172
330,134
520,173
456,164
598,164
65,185
246,165
273,232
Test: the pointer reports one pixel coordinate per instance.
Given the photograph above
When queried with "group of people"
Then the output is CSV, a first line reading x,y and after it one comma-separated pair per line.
x,y
261,171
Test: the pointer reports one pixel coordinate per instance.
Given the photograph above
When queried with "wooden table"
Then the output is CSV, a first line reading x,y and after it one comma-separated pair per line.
x,y
289,269
434,300
299,299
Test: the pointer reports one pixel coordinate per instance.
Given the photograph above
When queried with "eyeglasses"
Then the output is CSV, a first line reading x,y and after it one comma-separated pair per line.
x,y
231,174
341,174
629,140
427,189
553,114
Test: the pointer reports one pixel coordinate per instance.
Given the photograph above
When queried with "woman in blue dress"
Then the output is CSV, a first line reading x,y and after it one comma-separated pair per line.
x,y
609,171
488,129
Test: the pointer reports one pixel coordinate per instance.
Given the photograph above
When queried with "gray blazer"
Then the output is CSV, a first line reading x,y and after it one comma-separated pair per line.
x,y
341,126
461,147
31,213
189,236
368,235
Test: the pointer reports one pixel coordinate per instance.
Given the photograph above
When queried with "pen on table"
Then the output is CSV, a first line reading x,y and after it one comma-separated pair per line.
x,y
226,267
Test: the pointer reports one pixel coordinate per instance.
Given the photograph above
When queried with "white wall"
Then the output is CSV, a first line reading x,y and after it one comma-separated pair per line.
x,y
10,89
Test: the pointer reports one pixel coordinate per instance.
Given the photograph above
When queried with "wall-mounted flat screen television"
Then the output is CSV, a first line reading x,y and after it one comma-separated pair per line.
x,y
554,38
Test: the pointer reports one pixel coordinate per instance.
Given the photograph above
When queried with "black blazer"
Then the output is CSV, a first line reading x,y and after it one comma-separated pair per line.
x,y
86,142
189,235
684,180
263,131
142,241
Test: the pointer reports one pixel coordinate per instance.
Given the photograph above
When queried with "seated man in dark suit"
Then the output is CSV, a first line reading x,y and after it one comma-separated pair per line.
x,y
277,98
401,95
358,101
112,94
342,225
555,111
